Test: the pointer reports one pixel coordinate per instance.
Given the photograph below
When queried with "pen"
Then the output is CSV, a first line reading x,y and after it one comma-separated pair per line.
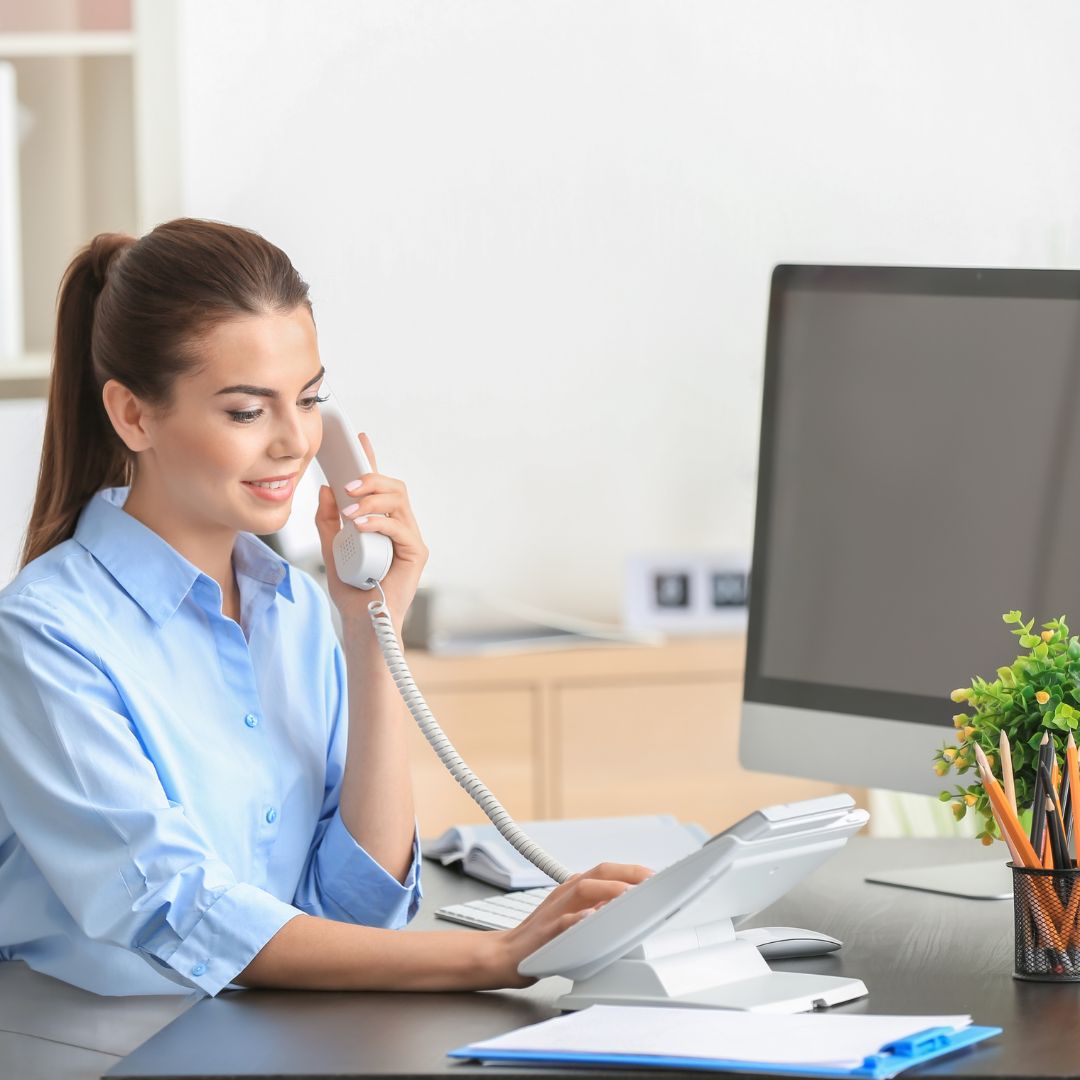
x,y
1005,753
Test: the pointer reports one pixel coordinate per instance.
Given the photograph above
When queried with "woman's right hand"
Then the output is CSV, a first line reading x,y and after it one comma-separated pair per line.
x,y
568,904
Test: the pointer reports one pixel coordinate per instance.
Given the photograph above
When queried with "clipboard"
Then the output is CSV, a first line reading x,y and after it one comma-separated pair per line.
x,y
891,1059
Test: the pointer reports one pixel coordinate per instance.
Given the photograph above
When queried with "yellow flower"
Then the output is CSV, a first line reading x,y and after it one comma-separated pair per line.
x,y
987,840
949,753
958,810
963,694
1048,635
941,767
1042,697
968,732
970,799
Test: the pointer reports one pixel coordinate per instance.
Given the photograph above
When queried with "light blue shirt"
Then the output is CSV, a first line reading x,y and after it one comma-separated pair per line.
x,y
169,780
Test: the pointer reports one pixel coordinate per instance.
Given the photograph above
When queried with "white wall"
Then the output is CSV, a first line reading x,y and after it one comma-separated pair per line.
x,y
539,234
21,426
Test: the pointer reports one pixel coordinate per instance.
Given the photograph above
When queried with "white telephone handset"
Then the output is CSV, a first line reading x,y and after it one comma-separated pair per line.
x,y
363,560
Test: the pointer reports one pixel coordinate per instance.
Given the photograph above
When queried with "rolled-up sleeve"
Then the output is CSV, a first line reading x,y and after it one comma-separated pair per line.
x,y
85,800
341,880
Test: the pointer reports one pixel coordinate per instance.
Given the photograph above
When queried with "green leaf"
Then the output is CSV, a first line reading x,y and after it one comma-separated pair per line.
x,y
1028,641
1011,617
1040,651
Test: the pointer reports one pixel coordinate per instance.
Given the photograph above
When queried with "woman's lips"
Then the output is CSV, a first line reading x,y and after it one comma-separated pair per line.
x,y
271,494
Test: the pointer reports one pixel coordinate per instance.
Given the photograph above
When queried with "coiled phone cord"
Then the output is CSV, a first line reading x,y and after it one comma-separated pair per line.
x,y
429,726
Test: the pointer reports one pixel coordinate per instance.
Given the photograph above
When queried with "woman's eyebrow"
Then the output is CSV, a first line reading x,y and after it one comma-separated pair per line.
x,y
265,391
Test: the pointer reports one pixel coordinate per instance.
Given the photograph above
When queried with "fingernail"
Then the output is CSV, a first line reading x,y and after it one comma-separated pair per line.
x,y
350,510
354,487
359,521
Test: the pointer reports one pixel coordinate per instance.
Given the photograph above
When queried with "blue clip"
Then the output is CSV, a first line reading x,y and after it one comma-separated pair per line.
x,y
913,1046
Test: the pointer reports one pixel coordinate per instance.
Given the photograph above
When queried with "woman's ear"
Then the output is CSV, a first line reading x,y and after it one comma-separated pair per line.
x,y
128,414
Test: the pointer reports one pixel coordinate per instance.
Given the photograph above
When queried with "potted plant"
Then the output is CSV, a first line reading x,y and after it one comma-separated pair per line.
x,y
1038,693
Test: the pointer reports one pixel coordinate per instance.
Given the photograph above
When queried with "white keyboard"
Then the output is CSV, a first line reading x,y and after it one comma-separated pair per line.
x,y
502,912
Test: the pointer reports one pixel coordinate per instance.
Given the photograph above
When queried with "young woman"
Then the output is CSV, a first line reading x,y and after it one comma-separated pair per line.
x,y
200,786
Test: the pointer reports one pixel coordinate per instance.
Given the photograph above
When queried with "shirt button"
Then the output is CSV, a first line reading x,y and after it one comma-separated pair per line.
x,y
198,969
271,816
251,719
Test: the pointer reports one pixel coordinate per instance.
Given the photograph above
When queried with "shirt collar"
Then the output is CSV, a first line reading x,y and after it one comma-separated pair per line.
x,y
153,573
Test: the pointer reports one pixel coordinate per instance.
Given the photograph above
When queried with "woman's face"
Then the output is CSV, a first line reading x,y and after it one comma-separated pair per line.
x,y
242,427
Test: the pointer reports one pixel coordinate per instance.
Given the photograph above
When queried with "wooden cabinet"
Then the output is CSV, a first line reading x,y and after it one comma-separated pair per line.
x,y
494,729
593,732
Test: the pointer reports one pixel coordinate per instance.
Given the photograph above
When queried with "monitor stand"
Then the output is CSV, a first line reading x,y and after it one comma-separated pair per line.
x,y
983,880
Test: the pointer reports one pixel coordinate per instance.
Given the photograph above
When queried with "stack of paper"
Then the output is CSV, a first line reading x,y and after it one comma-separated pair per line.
x,y
809,1043
654,841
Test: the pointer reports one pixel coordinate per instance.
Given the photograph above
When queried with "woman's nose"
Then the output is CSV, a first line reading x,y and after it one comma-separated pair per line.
x,y
290,438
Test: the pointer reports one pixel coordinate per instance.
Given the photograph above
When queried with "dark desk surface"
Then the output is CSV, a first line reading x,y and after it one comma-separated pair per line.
x,y
917,953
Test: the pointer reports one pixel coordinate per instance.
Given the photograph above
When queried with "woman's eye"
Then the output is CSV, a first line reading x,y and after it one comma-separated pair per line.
x,y
246,416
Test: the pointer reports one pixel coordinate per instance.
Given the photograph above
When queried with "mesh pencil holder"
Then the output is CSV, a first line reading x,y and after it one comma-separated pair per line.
x,y
1046,905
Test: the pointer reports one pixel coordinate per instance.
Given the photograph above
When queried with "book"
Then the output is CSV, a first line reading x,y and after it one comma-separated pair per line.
x,y
654,840
804,1044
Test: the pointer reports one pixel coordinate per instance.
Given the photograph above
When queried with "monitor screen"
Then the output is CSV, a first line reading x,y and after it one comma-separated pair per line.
x,y
919,476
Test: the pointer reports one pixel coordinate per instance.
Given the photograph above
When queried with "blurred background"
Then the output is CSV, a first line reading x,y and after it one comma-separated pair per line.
x,y
539,238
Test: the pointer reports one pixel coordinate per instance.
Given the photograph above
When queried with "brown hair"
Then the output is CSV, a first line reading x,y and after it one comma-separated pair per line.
x,y
133,310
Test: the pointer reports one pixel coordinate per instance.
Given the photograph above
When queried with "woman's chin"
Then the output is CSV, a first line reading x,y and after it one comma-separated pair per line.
x,y
269,521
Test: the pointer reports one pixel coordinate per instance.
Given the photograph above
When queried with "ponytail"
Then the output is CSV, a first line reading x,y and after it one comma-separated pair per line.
x,y
134,311
81,452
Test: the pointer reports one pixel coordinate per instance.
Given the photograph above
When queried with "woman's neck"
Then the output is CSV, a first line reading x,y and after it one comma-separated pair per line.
x,y
207,546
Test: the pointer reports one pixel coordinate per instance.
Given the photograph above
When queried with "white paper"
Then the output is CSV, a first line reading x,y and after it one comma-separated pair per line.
x,y
654,841
828,1040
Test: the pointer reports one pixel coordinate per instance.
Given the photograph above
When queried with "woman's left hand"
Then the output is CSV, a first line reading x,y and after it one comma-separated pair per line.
x,y
384,502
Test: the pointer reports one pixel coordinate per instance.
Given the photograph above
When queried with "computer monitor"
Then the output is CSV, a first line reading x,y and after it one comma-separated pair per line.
x,y
919,476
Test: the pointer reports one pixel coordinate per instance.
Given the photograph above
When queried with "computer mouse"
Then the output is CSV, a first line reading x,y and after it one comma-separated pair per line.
x,y
781,942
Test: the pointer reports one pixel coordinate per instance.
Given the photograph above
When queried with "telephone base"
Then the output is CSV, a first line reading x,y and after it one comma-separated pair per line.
x,y
773,992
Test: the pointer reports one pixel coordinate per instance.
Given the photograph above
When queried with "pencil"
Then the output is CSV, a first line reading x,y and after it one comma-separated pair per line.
x,y
1005,753
1074,785
1009,825
1038,818
1065,799
1057,835
1019,846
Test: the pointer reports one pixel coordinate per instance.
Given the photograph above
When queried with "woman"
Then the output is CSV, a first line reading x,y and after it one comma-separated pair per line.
x,y
198,785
